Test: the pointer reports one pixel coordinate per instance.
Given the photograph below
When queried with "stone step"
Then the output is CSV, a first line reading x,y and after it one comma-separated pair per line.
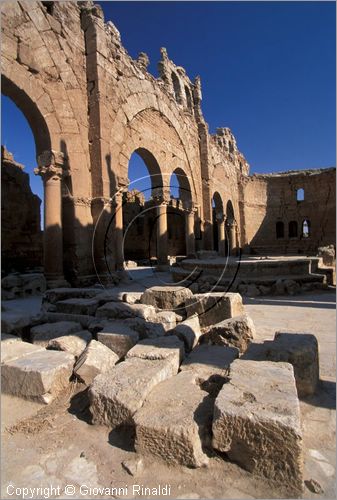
x,y
257,422
175,422
39,375
116,395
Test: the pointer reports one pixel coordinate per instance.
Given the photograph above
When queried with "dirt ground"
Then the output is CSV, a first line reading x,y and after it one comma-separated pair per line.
x,y
56,446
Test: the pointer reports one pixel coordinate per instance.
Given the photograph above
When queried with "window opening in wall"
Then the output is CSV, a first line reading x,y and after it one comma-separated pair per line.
x,y
176,87
306,228
279,229
293,229
300,194
188,98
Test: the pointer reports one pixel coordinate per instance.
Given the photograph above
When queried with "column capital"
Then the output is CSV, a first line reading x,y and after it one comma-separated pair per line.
x,y
51,164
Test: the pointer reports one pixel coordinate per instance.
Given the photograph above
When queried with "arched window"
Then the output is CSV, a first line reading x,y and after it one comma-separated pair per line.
x,y
176,87
306,228
292,229
300,194
188,98
279,229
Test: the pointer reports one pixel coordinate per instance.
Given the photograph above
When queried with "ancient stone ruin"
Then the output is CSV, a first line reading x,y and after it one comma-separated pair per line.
x,y
175,359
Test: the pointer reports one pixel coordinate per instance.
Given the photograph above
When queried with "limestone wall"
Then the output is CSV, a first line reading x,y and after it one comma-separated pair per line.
x,y
269,199
21,233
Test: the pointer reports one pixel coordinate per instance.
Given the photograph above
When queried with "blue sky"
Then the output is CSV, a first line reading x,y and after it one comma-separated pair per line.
x,y
267,71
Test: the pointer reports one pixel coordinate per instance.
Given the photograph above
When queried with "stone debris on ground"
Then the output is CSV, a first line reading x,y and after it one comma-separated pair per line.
x,y
42,334
214,307
188,331
257,422
210,363
39,375
95,359
117,394
235,332
72,343
118,337
174,421
170,298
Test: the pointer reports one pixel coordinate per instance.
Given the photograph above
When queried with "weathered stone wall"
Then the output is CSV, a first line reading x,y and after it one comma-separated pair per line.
x,y
90,107
21,233
272,199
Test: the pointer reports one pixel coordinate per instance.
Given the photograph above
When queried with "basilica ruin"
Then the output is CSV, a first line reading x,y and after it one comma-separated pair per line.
x,y
182,340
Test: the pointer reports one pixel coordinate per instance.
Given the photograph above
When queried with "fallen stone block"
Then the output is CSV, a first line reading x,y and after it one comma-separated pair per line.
x,y
166,318
301,351
166,297
96,359
188,331
78,306
118,337
160,348
235,332
6,338
117,394
73,343
121,310
146,329
210,363
42,334
39,375
214,307
83,319
57,294
131,297
15,323
257,422
15,350
175,422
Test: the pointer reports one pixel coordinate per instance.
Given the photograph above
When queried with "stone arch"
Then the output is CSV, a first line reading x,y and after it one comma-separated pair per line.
x,y
31,112
230,211
153,168
185,193
218,223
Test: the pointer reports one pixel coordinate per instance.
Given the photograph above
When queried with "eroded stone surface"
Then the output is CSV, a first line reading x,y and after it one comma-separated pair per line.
x,y
257,422
122,310
118,337
235,332
189,331
166,297
116,395
96,359
214,307
78,306
159,348
210,363
74,344
39,375
42,334
14,350
174,421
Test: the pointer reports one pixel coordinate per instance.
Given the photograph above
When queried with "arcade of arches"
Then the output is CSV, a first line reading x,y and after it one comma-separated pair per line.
x,y
91,107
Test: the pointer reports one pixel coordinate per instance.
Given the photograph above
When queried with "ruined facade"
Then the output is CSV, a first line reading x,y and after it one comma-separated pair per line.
x,y
20,218
91,106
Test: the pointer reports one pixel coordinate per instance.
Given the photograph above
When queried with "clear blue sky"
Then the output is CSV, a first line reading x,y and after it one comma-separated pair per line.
x,y
267,72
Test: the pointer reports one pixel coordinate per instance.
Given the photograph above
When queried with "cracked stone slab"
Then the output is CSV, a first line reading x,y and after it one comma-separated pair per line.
x,y
39,375
117,394
257,422
175,422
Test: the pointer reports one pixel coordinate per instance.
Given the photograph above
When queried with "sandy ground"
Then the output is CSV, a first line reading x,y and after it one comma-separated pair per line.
x,y
56,446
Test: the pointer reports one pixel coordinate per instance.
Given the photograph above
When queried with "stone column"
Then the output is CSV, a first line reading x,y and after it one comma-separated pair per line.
x,y
51,167
119,231
221,237
162,243
190,236
232,236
